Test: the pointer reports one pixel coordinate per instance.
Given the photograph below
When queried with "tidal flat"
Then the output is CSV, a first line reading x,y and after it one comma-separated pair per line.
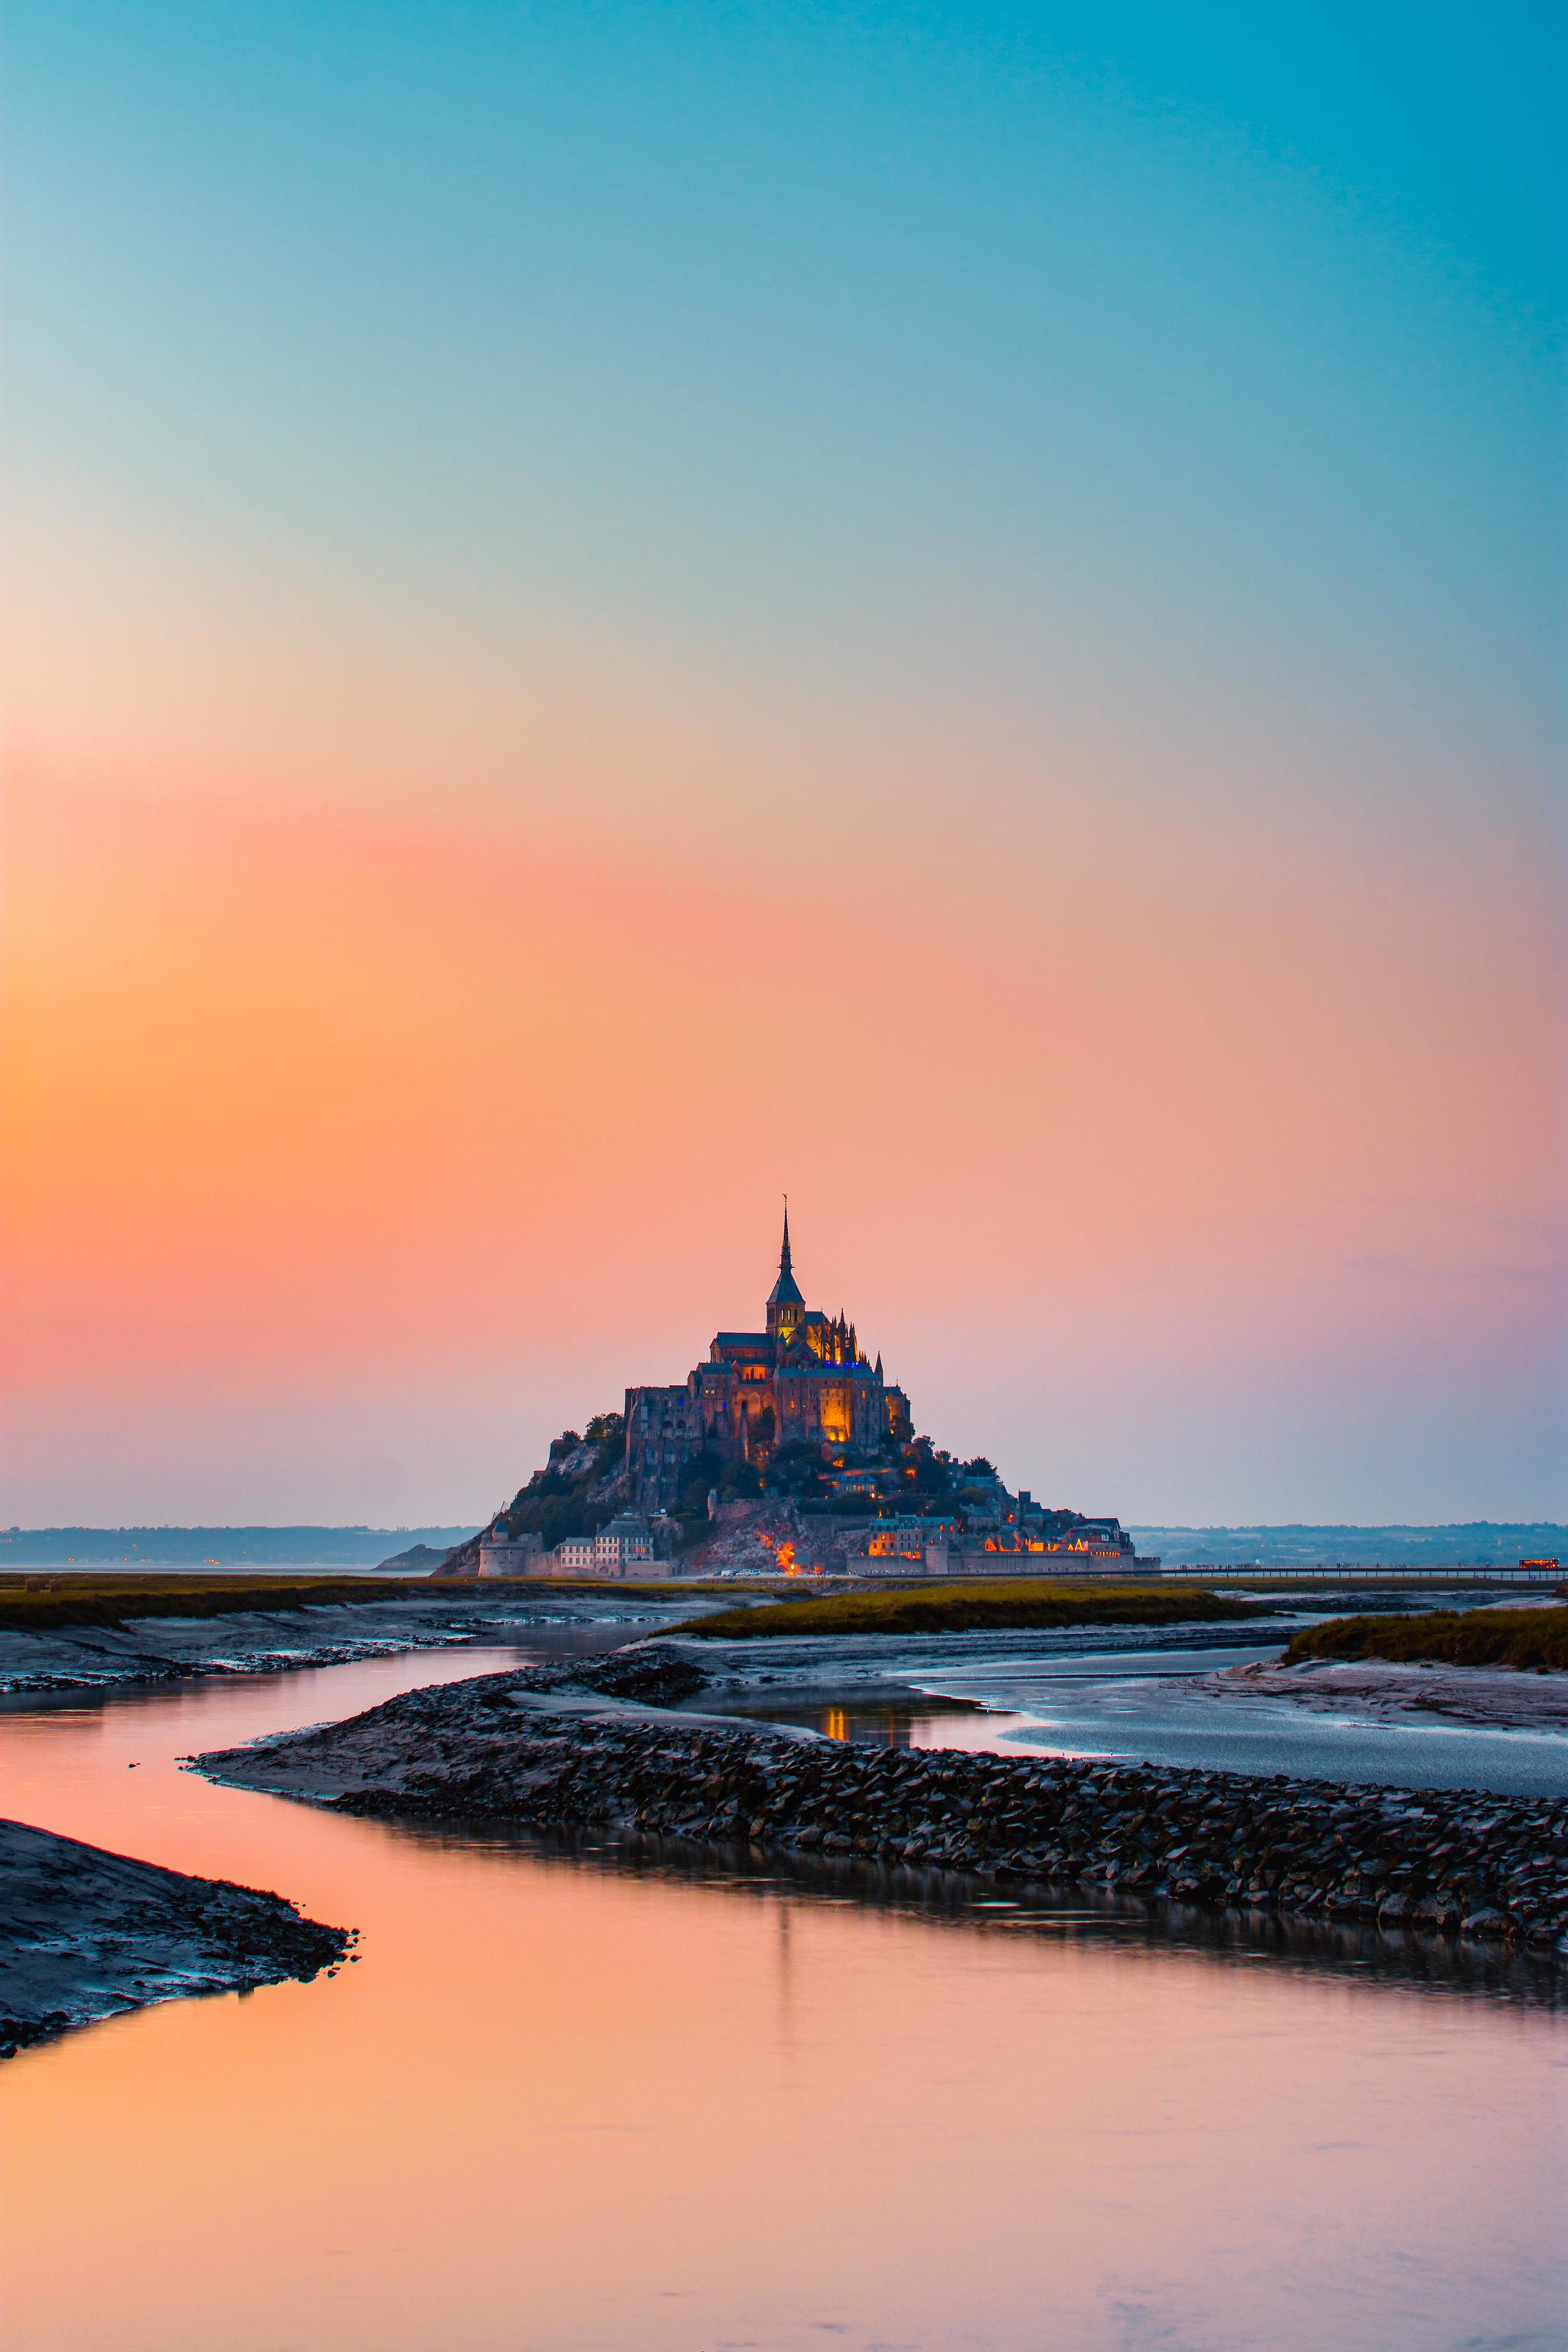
x,y
92,1631
88,1935
597,1745
833,1681
950,2113
1497,1698
119,1632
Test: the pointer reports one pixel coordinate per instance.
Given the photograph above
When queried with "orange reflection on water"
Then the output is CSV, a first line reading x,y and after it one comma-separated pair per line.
x,y
563,2104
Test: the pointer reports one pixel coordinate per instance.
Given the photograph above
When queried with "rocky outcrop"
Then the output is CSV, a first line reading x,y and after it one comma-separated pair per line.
x,y
87,1935
552,1751
764,1537
422,1559
463,1560
583,1485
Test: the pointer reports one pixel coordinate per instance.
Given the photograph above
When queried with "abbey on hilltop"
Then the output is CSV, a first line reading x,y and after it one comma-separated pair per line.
x,y
787,1448
802,1380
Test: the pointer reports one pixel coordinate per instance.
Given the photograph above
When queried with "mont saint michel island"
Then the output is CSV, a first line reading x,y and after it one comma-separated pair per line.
x,y
763,1761
786,1449
937,603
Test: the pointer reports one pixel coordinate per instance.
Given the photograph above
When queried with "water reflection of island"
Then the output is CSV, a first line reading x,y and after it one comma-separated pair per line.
x,y
901,1719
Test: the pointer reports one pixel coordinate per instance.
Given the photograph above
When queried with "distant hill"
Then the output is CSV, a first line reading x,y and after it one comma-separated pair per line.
x,y
227,1547
419,1559
1473,1543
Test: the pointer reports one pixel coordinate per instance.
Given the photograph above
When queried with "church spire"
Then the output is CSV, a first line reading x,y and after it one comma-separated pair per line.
x,y
785,1298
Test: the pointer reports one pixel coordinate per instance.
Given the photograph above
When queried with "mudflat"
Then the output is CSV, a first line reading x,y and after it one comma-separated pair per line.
x,y
86,1935
1503,1699
139,1634
598,1744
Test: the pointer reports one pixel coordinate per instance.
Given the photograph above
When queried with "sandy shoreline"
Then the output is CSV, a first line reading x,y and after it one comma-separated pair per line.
x,y
86,1935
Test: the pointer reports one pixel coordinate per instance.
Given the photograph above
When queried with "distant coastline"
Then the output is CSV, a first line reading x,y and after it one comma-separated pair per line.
x,y
296,1547
1469,1543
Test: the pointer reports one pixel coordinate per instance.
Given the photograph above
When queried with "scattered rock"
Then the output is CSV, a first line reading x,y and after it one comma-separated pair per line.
x,y
562,1749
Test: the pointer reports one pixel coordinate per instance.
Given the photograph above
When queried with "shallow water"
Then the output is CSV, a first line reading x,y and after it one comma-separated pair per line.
x,y
1140,1703
573,2101
1135,1698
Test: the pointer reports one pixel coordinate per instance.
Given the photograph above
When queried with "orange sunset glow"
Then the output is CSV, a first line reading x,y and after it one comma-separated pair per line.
x,y
784,1138
355,1096
518,756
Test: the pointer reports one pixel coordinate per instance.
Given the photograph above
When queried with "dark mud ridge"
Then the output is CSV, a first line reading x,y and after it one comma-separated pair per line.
x,y
262,1641
589,1747
87,1935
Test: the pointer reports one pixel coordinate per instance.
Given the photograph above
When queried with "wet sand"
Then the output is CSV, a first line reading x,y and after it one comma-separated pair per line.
x,y
1497,1698
261,1642
1168,1696
948,2113
86,1935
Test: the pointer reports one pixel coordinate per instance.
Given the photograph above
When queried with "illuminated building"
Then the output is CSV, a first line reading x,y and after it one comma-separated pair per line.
x,y
802,1380
627,1546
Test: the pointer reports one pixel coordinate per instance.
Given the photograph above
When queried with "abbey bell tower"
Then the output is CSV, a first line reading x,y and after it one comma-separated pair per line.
x,y
785,1303
805,1383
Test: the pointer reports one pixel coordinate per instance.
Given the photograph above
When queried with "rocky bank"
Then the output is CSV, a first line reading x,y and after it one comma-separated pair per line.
x,y
86,1935
595,1746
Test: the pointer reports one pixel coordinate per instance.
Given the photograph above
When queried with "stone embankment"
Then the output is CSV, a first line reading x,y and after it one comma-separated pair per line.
x,y
543,1749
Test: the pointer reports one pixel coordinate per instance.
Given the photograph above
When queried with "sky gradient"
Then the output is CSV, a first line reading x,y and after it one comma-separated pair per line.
x,y
612,610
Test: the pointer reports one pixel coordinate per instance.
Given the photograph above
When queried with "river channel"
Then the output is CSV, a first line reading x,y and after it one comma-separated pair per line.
x,y
594,2101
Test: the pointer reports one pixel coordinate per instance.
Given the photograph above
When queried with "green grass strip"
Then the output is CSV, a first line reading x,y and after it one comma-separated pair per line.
x,y
1453,1637
88,1600
966,1608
